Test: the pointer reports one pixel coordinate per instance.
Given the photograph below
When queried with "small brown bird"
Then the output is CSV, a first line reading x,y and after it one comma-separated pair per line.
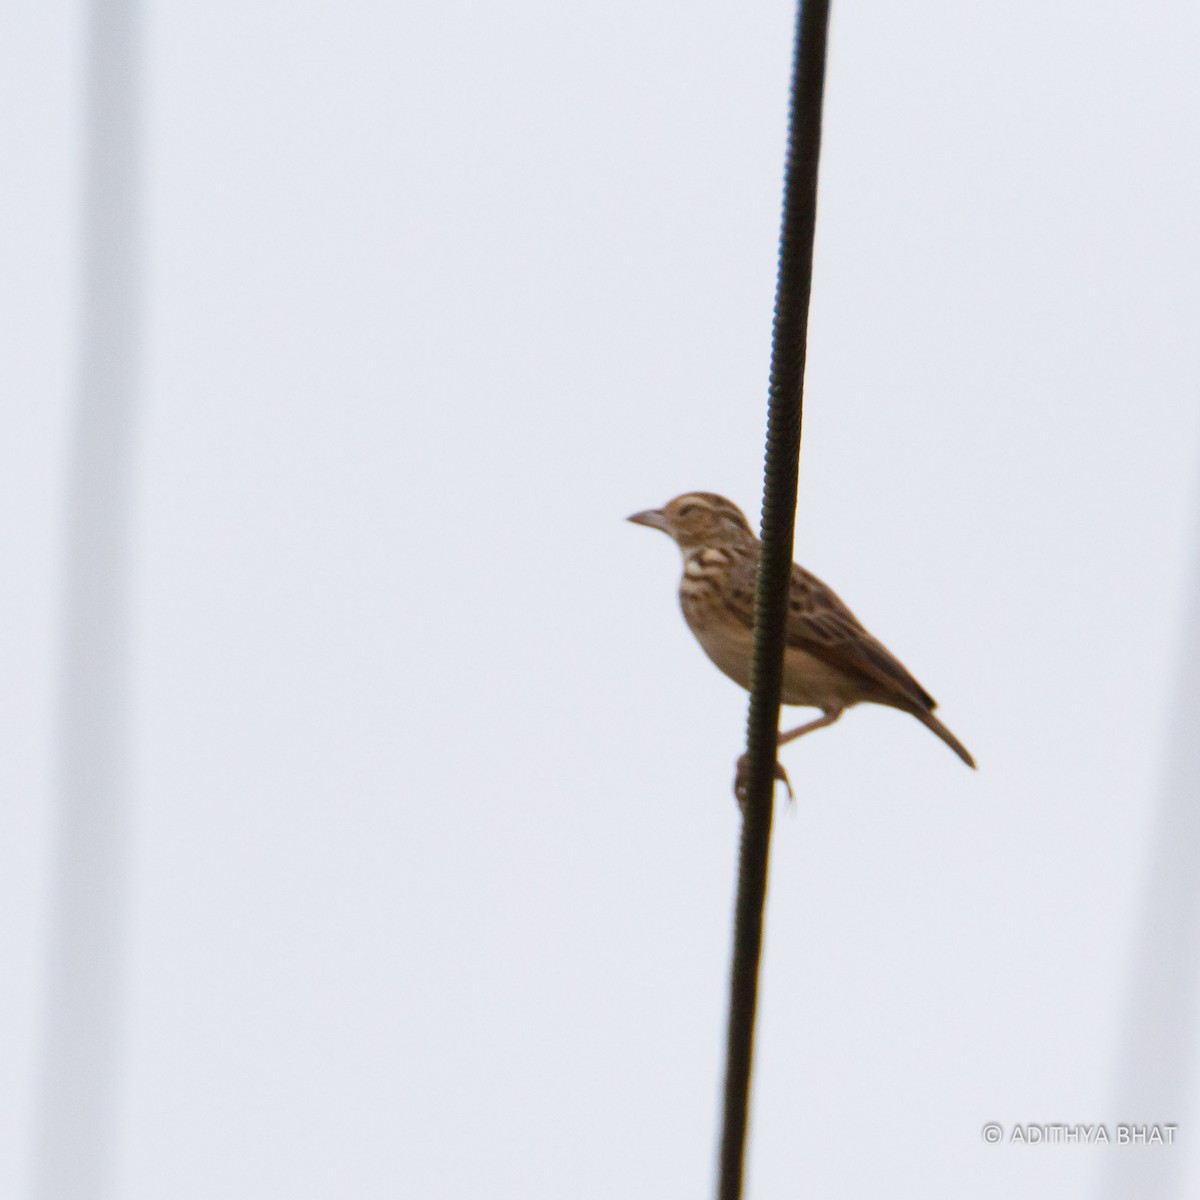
x,y
830,661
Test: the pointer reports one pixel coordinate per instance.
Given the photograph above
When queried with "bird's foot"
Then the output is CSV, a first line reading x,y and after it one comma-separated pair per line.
x,y
742,776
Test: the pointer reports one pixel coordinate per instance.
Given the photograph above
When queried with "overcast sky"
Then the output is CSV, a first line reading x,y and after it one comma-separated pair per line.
x,y
433,846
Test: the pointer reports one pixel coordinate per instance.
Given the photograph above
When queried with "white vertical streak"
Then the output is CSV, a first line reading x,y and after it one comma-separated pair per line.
x,y
74,1156
1158,1044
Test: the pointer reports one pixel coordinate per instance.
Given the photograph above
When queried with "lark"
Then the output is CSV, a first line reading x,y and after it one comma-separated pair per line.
x,y
830,660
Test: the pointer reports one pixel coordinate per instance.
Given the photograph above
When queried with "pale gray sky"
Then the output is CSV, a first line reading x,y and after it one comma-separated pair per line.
x,y
433,849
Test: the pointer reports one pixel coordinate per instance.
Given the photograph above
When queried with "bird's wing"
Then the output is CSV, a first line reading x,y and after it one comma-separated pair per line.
x,y
821,624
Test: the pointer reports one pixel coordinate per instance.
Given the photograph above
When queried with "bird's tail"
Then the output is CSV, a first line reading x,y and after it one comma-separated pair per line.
x,y
928,719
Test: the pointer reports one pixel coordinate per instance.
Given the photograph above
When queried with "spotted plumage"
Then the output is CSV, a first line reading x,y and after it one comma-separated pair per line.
x,y
830,661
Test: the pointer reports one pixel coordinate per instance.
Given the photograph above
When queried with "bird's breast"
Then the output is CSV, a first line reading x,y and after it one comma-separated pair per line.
x,y
726,635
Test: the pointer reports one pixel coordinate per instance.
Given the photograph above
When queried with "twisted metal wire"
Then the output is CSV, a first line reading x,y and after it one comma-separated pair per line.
x,y
788,355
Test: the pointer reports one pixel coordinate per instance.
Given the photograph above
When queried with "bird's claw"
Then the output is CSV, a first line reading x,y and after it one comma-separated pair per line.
x,y
740,781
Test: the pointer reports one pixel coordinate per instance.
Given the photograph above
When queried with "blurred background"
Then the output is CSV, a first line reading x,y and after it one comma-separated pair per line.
x,y
425,866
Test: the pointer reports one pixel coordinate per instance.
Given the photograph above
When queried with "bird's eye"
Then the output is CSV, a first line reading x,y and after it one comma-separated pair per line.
x,y
687,508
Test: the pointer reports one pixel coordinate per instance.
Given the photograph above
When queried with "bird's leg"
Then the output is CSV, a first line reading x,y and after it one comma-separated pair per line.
x,y
739,779
826,718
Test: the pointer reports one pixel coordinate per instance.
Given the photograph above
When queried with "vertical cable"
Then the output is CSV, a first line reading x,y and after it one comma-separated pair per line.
x,y
789,346
1155,1076
76,1120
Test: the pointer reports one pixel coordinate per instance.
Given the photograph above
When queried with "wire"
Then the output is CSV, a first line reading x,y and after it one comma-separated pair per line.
x,y
75,1126
788,354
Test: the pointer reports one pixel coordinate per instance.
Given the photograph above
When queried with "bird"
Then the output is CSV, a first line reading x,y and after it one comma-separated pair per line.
x,y
830,660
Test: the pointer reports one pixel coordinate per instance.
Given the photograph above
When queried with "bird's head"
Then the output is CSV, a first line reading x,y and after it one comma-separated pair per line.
x,y
698,519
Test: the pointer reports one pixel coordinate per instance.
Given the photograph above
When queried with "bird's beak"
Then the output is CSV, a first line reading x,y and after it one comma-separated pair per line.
x,y
654,517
